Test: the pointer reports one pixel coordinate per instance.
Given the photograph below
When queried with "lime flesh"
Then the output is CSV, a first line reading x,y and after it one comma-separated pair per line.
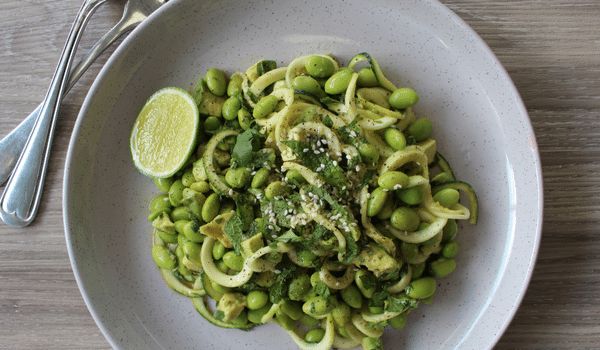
x,y
164,133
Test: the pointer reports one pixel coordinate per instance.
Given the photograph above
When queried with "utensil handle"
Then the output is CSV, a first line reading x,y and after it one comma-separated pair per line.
x,y
21,198
12,145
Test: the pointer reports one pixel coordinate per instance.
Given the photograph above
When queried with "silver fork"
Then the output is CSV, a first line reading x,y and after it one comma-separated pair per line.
x,y
11,146
21,198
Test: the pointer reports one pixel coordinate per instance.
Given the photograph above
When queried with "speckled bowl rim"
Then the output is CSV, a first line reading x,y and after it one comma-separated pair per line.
x,y
76,238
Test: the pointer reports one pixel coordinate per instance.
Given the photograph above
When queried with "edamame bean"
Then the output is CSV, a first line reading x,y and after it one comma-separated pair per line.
x,y
241,319
399,321
211,207
260,178
211,124
395,139
447,197
221,266
292,309
160,203
257,299
388,208
393,180
403,98
244,118
366,78
218,250
368,152
376,201
420,129
410,252
441,177
164,184
449,230
366,283
308,84
167,237
188,178
294,175
352,296
441,267
237,177
254,316
315,335
405,219
421,288
308,320
163,257
265,106
230,108
216,81
450,249
233,261
338,83
341,314
418,269
318,306
306,258
375,309
200,186
234,87
180,213
176,193
370,343
284,320
277,189
191,231
299,286
319,67
219,288
412,195
179,225
192,250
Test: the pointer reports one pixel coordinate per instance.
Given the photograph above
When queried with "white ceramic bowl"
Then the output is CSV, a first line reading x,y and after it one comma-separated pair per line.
x,y
480,124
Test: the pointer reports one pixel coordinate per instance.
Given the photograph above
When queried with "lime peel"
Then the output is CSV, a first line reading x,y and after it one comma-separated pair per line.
x,y
164,133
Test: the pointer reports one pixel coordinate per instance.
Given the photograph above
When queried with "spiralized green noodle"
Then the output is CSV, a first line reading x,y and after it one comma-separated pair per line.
x,y
305,217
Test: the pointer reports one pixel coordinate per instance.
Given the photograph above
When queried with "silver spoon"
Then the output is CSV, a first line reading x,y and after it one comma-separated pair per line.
x,y
11,146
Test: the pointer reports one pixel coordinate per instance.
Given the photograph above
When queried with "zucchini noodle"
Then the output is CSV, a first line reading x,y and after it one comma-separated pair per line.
x,y
312,203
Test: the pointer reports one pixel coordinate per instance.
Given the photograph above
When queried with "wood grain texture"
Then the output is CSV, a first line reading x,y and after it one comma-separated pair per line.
x,y
551,50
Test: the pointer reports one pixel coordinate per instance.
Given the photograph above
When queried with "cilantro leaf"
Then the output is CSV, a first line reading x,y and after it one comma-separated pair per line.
x,y
247,148
233,229
394,304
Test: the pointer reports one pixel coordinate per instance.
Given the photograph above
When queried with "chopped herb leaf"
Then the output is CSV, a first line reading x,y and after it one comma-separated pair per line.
x,y
278,290
319,163
264,66
351,250
366,179
233,229
219,315
321,289
401,304
368,281
247,150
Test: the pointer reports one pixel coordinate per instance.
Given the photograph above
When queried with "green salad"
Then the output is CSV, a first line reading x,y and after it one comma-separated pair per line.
x,y
314,199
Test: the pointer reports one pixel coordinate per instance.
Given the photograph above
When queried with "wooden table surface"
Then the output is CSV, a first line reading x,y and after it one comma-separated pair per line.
x,y
551,49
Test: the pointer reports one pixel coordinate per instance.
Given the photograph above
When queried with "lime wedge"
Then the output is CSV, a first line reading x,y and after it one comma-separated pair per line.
x,y
164,134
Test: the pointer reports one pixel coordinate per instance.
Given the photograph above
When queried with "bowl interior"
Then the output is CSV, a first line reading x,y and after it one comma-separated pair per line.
x,y
480,125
